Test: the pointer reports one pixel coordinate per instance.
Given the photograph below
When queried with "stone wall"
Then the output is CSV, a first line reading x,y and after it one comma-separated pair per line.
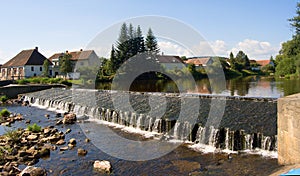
x,y
14,90
289,130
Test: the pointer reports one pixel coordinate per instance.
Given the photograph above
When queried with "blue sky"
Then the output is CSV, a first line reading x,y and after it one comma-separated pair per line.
x,y
255,26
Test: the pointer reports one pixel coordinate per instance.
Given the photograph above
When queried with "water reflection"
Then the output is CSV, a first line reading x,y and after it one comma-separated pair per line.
x,y
253,86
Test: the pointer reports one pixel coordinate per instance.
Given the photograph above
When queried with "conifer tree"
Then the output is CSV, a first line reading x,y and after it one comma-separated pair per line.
x,y
151,43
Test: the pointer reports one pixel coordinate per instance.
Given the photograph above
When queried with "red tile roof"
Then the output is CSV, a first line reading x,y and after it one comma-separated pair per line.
x,y
76,55
263,62
198,61
169,59
26,57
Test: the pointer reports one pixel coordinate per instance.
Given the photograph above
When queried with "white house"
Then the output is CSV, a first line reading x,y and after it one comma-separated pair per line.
x,y
78,59
28,63
170,62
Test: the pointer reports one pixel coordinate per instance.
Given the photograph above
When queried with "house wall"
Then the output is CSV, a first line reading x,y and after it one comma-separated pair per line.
x,y
37,70
173,66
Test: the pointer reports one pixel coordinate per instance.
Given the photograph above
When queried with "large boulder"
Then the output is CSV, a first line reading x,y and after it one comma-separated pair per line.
x,y
69,118
102,166
33,171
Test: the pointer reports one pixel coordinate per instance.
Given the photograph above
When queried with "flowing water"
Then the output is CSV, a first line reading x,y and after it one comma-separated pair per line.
x,y
181,161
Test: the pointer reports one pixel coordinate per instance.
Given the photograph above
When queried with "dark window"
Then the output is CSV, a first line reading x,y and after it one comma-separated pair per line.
x,y
34,74
41,69
50,72
32,68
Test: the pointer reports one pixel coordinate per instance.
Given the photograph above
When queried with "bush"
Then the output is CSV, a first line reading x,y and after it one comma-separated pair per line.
x,y
3,98
34,128
22,81
4,113
13,135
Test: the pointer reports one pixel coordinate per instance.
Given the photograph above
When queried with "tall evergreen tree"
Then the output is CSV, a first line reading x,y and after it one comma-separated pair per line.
x,y
131,32
140,40
123,37
151,43
295,21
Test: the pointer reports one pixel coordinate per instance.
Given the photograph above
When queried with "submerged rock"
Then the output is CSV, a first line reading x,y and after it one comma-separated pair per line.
x,y
81,152
102,166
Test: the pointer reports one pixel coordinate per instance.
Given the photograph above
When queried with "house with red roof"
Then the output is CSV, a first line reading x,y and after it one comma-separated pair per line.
x,y
28,63
200,61
261,63
82,58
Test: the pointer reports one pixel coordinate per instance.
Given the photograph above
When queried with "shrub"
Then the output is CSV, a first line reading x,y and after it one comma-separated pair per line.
x,y
4,113
34,128
13,135
3,98
22,81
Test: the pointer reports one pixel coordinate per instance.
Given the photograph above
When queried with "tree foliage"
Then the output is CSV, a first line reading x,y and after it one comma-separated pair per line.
x,y
65,64
288,60
46,65
151,42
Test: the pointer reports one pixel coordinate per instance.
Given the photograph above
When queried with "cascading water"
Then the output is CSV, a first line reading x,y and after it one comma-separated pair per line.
x,y
222,138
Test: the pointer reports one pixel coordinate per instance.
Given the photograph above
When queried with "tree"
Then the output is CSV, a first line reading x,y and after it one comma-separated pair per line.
x,y
123,37
286,67
242,59
140,40
295,21
151,42
46,65
65,64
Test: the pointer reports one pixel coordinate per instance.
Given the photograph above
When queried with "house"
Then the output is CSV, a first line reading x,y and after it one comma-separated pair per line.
x,y
78,59
200,61
170,62
28,63
261,63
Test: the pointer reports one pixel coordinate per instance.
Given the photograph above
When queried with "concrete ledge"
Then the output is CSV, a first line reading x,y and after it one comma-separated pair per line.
x,y
289,129
12,91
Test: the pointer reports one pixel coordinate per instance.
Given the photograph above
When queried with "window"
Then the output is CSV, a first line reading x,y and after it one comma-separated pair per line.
x,y
41,69
32,68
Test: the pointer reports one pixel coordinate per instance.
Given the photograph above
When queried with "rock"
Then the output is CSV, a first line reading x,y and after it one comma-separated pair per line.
x,y
58,122
102,166
71,146
28,121
5,124
68,131
69,118
72,141
87,140
32,137
18,118
58,115
46,130
81,152
64,148
44,152
60,142
47,115
33,171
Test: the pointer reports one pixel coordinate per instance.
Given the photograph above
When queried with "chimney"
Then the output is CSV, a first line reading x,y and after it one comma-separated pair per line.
x,y
36,48
80,49
67,51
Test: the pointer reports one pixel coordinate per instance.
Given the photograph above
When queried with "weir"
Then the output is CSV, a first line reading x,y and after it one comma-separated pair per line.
x,y
247,123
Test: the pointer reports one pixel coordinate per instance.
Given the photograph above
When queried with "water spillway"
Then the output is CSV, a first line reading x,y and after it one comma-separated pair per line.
x,y
247,123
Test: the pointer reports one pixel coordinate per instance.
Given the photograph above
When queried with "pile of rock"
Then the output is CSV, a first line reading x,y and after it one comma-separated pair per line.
x,y
27,147
7,121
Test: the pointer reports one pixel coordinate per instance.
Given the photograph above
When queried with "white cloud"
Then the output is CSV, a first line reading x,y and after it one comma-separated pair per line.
x,y
219,47
170,48
256,49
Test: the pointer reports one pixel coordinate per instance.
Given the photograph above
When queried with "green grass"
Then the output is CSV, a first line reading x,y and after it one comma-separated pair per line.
x,y
46,80
34,128
3,98
4,113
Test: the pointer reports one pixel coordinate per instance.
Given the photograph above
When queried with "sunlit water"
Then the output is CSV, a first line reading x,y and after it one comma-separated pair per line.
x,y
253,86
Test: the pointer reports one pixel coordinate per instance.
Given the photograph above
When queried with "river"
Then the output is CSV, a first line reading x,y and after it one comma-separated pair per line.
x,y
252,86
